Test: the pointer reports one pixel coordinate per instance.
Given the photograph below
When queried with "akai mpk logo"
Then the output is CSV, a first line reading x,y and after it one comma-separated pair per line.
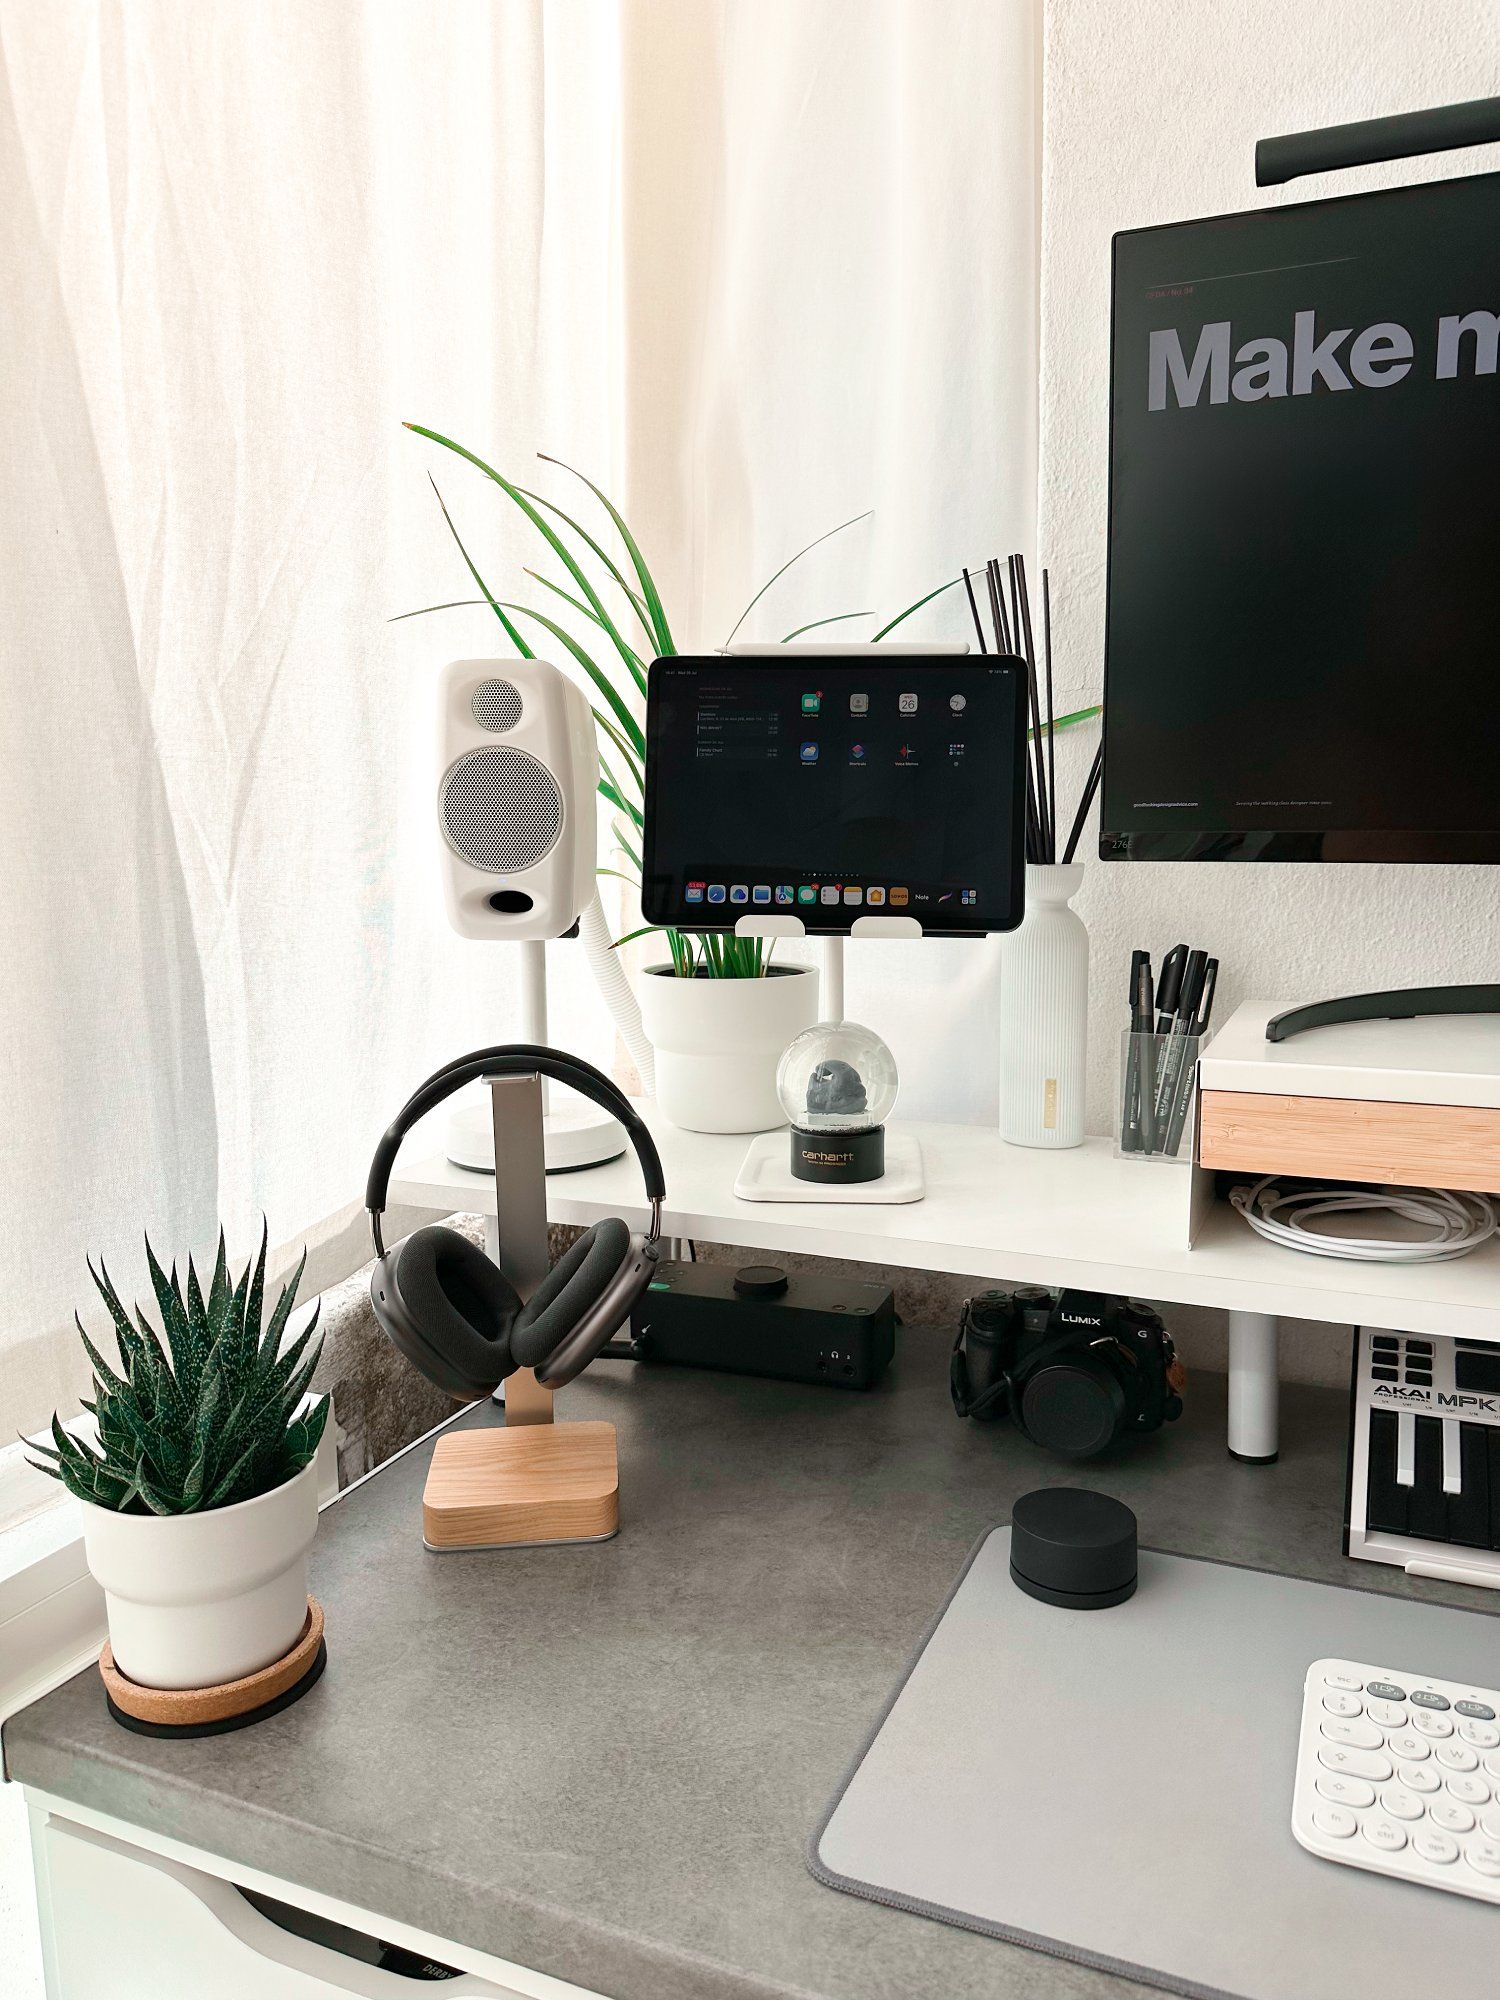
x,y
1451,1402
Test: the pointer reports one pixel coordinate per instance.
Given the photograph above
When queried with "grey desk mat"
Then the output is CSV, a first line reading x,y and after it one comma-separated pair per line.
x,y
1115,1787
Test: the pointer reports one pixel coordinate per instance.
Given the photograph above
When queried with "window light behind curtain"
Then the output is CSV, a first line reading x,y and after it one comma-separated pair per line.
x,y
755,266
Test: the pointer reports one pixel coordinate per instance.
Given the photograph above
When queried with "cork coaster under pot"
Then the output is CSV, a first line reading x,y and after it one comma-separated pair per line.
x,y
213,1711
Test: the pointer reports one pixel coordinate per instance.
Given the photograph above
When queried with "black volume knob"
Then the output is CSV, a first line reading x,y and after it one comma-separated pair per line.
x,y
760,1281
1071,1547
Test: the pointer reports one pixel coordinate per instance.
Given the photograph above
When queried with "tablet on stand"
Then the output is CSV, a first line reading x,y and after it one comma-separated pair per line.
x,y
835,793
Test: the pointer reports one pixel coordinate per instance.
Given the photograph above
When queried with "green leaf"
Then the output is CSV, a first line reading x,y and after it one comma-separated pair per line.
x,y
453,604
837,619
271,1342
510,631
826,536
633,660
901,616
631,765
596,674
553,541
182,1342
661,631
603,555
646,930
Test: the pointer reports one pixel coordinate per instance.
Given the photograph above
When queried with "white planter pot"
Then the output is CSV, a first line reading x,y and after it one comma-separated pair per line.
x,y
1044,1013
718,1042
197,1599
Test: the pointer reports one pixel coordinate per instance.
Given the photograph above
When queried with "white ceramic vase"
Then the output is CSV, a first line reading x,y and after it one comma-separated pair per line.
x,y
197,1599
1044,1013
718,1042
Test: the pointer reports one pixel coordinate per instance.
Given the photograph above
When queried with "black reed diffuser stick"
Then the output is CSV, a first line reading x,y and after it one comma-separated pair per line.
x,y
1011,625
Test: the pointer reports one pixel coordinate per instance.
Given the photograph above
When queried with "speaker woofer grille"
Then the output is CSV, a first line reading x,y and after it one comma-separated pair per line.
x,y
496,705
501,809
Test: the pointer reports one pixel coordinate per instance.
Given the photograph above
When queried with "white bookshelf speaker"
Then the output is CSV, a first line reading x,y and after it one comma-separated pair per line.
x,y
518,777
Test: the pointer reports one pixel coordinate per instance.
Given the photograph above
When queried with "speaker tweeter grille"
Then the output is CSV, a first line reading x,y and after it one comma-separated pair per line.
x,y
502,810
496,705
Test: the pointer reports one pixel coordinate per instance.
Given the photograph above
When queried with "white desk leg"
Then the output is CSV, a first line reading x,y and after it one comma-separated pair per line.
x,y
1252,1386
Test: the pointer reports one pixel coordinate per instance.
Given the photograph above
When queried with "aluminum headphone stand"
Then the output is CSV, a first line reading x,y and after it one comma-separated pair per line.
x,y
533,1483
578,1134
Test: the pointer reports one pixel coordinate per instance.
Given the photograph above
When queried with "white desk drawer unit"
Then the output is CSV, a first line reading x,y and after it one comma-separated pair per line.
x,y
136,1926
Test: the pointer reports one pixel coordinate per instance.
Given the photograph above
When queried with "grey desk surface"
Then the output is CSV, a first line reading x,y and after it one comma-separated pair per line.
x,y
605,1763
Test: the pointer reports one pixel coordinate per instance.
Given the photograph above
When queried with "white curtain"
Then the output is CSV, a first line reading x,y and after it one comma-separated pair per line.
x,y
755,265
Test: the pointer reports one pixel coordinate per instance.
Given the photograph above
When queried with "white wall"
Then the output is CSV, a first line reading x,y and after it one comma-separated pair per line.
x,y
1151,114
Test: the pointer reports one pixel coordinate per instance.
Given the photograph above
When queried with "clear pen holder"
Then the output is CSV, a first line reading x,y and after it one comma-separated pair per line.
x,y
1156,1087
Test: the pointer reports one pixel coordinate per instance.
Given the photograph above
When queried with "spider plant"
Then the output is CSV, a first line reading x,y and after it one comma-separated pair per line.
x,y
626,626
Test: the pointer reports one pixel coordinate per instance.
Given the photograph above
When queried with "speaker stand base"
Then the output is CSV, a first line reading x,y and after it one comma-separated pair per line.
x,y
574,1135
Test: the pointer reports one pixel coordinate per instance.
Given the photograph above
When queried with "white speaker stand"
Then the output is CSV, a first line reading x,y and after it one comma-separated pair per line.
x,y
576,1134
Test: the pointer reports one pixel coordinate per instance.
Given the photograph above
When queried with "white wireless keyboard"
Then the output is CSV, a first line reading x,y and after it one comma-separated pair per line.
x,y
1401,1774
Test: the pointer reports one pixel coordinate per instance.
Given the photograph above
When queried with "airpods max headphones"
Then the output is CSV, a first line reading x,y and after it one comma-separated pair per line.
x,y
452,1312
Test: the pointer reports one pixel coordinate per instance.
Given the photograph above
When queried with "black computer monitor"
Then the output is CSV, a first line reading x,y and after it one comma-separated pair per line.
x,y
1303,639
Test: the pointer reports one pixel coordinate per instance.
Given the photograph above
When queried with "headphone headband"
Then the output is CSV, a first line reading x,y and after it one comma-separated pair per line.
x,y
514,1059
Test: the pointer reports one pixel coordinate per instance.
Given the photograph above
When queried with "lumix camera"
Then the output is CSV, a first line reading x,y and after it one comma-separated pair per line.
x,y
1075,1372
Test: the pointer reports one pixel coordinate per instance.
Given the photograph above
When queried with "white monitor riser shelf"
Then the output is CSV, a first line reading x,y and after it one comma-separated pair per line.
x,y
999,1213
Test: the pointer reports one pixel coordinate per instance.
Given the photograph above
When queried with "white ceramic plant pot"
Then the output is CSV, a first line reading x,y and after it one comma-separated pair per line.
x,y
1044,1013
718,1042
197,1599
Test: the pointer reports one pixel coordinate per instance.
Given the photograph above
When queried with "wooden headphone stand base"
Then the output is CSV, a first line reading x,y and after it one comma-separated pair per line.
x,y
524,1486
534,1483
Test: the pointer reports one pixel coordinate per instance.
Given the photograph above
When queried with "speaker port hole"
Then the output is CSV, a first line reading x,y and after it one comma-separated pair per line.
x,y
510,902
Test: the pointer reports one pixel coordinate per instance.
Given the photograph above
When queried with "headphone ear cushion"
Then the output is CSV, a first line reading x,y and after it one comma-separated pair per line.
x,y
463,1307
578,1280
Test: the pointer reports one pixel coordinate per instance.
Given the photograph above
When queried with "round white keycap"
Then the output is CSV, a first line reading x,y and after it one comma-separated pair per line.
x,y
1343,1704
1410,1746
1434,1846
1389,1714
1432,1725
1492,1765
1354,1763
1471,1791
1484,1855
1345,1791
1482,1735
1400,1804
1451,1816
1457,1757
1385,1834
1489,1823
1350,1683
1417,1777
1335,1820
1359,1735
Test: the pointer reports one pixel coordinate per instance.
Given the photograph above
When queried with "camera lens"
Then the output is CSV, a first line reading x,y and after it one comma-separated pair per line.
x,y
1075,1407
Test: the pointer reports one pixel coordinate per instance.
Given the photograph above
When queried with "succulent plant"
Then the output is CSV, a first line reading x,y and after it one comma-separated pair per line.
x,y
202,1414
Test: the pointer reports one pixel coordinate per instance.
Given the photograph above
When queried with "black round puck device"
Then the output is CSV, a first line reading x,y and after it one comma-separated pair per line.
x,y
1071,1547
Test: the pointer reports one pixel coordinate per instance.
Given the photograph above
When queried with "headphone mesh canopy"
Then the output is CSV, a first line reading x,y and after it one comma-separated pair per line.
x,y
497,705
501,809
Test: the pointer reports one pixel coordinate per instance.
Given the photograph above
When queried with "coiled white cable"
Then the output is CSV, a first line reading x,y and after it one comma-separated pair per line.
x,y
1459,1222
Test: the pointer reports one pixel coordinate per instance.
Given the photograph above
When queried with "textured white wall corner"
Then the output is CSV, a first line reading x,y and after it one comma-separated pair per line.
x,y
1151,115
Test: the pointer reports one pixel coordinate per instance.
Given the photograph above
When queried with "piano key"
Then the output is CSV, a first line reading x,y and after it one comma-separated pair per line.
x,y
1385,1501
1452,1480
1469,1508
1406,1449
1427,1515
